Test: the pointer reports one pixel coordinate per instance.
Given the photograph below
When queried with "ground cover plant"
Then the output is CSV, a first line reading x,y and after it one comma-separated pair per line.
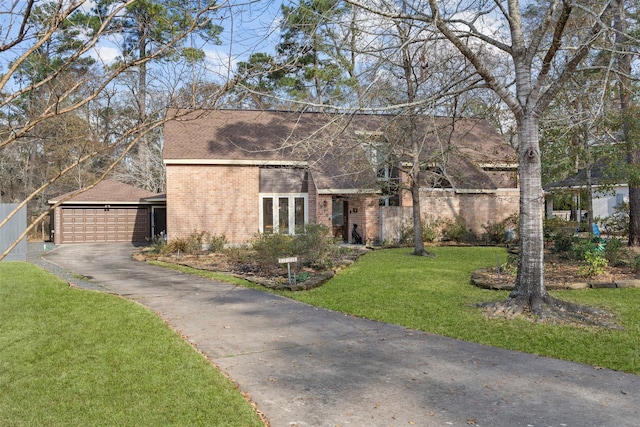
x,y
74,357
435,295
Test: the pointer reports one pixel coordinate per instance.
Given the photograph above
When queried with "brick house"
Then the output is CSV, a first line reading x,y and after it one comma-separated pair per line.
x,y
241,172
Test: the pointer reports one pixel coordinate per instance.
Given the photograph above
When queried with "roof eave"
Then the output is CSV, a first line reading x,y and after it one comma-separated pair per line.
x,y
232,162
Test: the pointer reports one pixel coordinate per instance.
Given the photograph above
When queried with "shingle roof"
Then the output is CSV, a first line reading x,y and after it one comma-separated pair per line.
x,y
599,174
330,144
108,191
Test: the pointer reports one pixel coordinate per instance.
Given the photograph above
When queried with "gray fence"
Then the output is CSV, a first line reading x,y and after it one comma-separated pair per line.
x,y
393,219
12,229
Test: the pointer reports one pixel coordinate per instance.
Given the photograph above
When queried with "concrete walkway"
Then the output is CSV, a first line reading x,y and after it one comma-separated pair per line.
x,y
305,366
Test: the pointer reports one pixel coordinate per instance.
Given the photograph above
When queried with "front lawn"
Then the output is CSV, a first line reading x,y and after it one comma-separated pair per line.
x,y
71,357
435,295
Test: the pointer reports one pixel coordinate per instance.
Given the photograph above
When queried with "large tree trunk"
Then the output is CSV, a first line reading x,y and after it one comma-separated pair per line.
x,y
418,243
634,216
626,100
530,288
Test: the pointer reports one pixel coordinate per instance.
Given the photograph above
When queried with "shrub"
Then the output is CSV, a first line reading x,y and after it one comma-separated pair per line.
x,y
406,235
313,245
187,245
500,232
269,247
430,230
619,221
554,225
510,266
596,264
580,248
494,233
455,230
217,243
238,254
615,250
635,264
158,245
564,242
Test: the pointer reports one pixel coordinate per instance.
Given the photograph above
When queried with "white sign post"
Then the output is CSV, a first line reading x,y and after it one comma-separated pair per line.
x,y
288,261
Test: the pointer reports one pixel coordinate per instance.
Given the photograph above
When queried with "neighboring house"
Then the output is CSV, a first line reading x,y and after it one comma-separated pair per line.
x,y
109,212
606,197
237,173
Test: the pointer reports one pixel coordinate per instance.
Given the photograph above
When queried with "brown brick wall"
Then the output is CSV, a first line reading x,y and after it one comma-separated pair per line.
x,y
217,199
476,209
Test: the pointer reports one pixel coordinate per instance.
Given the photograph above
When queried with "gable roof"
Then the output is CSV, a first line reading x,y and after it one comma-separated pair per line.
x,y
108,192
329,144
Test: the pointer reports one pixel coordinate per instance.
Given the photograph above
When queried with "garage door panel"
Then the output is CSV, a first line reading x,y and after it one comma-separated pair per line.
x,y
123,224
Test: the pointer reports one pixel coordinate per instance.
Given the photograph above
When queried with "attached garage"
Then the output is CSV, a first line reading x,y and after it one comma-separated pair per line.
x,y
109,212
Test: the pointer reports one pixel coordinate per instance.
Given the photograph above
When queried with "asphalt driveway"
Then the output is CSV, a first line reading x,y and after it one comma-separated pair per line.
x,y
305,366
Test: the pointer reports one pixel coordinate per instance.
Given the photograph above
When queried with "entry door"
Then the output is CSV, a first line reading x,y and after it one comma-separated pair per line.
x,y
340,217
159,221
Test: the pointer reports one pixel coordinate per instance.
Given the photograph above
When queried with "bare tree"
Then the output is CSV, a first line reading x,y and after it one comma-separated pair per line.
x,y
541,65
542,56
84,34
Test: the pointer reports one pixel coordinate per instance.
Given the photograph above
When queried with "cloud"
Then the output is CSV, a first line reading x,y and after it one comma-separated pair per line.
x,y
105,54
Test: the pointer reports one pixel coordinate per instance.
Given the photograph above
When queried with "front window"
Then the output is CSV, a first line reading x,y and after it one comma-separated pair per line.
x,y
267,215
283,213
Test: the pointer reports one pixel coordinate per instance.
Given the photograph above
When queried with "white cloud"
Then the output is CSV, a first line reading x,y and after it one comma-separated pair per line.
x,y
105,54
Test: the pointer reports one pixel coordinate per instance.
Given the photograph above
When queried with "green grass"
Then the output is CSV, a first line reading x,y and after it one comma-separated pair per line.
x,y
70,357
435,295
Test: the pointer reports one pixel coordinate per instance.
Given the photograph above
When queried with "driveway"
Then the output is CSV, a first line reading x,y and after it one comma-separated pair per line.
x,y
305,366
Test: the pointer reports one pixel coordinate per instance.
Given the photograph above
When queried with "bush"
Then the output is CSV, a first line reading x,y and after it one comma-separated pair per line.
x,y
158,245
494,233
580,248
615,250
510,266
554,225
238,254
501,232
313,245
596,264
430,232
635,264
188,245
619,221
455,230
564,242
269,247
217,243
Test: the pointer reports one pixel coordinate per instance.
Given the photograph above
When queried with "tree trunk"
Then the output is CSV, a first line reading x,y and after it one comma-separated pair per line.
x,y
530,288
626,99
418,243
634,216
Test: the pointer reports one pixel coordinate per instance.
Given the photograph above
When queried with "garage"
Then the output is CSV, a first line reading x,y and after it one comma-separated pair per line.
x,y
87,225
110,212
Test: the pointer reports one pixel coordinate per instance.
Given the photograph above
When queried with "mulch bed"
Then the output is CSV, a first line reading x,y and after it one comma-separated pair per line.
x,y
561,274
275,278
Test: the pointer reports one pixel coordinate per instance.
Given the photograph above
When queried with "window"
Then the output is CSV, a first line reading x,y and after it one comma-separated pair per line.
x,y
282,213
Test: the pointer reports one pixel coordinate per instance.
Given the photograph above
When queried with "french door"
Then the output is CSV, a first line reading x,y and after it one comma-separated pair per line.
x,y
282,213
